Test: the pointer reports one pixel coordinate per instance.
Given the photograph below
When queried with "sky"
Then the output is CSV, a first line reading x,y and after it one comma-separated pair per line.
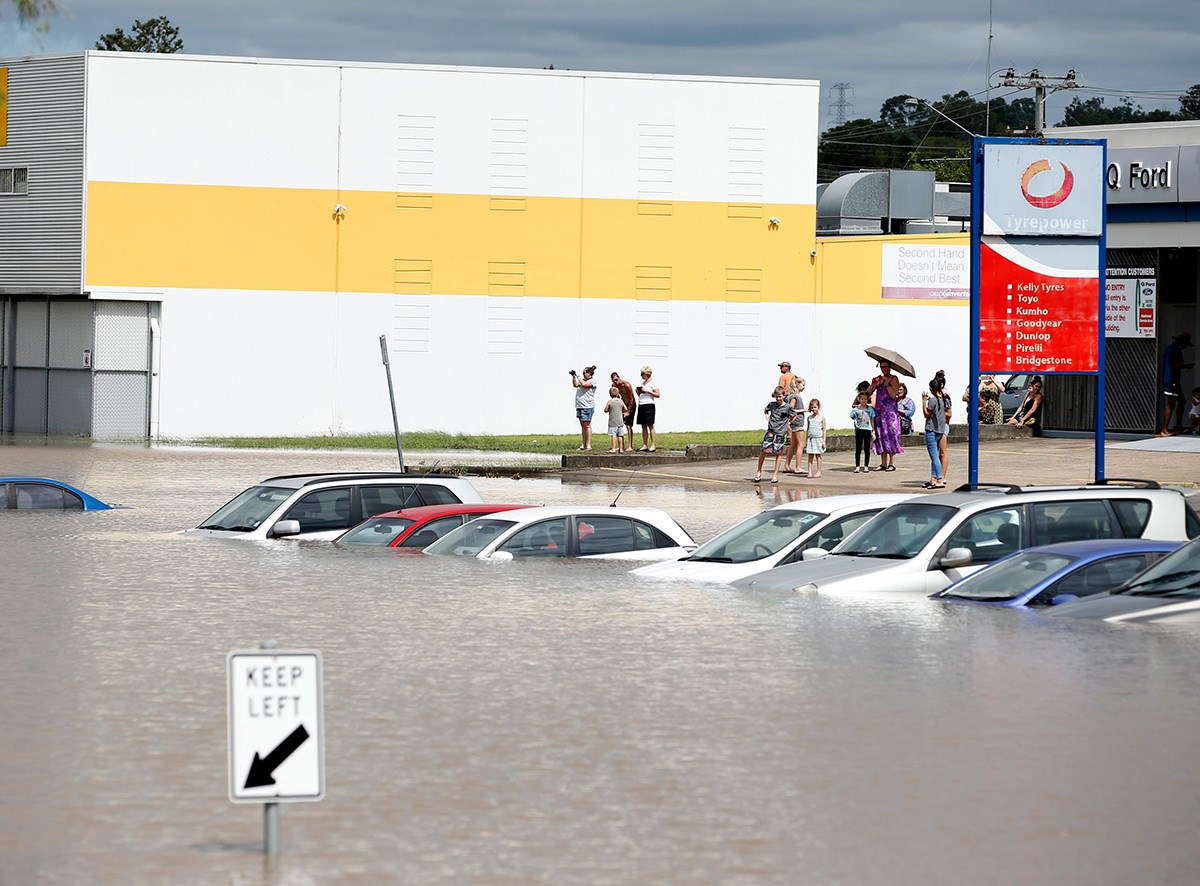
x,y
878,48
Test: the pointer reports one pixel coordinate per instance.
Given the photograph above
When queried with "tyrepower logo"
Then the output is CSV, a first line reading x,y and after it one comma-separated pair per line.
x,y
1048,201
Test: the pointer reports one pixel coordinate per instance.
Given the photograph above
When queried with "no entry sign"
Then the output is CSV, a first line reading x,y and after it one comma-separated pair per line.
x,y
276,740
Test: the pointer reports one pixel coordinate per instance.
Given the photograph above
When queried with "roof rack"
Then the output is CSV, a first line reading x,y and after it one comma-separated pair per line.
x,y
327,477
1007,488
1127,481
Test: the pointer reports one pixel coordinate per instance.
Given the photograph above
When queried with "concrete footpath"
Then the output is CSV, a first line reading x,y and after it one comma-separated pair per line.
x,y
1020,459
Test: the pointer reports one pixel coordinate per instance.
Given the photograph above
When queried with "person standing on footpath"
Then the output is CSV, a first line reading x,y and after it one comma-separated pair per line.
x,y
793,399
863,418
779,417
647,393
1172,371
936,406
627,396
585,404
886,388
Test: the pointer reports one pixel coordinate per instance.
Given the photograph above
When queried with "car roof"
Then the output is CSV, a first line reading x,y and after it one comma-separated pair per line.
x,y
829,504
432,512
297,481
989,495
528,515
1096,548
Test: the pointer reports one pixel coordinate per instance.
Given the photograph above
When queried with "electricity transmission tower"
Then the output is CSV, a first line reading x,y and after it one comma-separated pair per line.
x,y
840,108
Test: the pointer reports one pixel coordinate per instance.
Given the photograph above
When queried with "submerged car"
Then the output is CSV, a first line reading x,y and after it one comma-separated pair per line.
x,y
43,494
774,537
1051,575
1166,593
416,527
323,506
569,531
922,546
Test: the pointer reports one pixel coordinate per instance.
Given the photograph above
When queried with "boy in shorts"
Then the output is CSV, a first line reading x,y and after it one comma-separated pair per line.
x,y
779,418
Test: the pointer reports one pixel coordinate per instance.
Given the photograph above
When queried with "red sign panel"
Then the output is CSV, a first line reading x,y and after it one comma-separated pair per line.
x,y
1035,315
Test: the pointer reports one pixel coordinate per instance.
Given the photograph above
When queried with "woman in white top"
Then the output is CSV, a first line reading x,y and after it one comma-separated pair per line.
x,y
647,393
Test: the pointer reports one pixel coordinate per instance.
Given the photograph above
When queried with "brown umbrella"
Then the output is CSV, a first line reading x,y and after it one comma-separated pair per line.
x,y
898,361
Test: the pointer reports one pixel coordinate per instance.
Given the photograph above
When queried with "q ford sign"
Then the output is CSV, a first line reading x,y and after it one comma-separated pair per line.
x,y
276,742
1043,190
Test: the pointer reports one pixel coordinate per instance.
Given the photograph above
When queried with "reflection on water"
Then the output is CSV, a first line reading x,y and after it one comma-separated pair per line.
x,y
559,721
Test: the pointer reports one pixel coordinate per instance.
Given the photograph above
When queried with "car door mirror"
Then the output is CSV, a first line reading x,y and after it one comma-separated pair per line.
x,y
1059,599
814,554
500,555
284,528
956,557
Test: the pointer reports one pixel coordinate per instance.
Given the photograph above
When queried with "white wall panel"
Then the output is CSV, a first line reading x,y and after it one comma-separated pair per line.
x,y
192,120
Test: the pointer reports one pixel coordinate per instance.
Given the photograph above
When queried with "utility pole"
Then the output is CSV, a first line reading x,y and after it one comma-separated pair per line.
x,y
840,106
1042,85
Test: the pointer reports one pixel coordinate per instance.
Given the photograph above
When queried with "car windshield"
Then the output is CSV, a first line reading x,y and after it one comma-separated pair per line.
x,y
760,536
898,532
470,538
1007,579
378,531
1175,575
248,511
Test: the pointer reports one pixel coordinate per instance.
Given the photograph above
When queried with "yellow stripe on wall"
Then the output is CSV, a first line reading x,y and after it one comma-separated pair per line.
x,y
208,237
3,106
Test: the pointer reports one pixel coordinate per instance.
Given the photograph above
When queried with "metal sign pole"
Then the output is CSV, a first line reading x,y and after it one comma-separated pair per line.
x,y
973,370
387,367
271,828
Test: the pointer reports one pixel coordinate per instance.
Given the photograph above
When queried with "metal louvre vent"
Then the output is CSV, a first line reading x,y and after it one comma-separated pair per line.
x,y
1130,399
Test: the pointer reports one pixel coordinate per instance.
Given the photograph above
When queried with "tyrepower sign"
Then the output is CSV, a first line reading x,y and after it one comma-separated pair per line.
x,y
276,742
1040,257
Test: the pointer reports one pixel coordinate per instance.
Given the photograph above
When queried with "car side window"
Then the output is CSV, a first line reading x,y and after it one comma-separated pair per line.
x,y
322,510
831,535
436,494
1134,514
545,539
1096,578
1191,522
43,497
431,532
1072,521
989,535
377,499
604,535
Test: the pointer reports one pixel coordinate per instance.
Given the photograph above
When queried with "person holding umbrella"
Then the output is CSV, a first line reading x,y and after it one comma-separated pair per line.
x,y
886,388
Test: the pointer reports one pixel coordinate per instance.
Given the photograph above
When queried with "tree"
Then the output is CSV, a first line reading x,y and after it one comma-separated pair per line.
x,y
1189,102
153,35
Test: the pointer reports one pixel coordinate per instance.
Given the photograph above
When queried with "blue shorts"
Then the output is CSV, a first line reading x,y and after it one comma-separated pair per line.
x,y
773,443
584,414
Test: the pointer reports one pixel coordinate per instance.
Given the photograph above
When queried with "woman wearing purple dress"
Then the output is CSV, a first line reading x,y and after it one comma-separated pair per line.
x,y
886,388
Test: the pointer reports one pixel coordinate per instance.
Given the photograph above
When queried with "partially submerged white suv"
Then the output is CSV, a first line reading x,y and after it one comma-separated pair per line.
x,y
323,506
922,546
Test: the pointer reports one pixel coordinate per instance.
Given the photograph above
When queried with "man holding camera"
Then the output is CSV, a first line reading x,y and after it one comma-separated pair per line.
x,y
585,403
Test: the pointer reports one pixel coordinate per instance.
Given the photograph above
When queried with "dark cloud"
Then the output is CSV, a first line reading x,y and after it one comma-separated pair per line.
x,y
881,48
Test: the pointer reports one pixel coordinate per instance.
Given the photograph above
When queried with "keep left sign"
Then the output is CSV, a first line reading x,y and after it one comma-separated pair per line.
x,y
276,727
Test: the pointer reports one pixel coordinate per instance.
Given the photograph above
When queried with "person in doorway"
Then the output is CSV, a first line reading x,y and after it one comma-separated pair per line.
x,y
862,416
585,404
647,393
814,445
1194,412
795,401
630,400
1172,372
779,417
1029,413
615,408
886,388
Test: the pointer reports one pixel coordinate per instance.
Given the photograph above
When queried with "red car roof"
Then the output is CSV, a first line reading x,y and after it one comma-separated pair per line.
x,y
425,513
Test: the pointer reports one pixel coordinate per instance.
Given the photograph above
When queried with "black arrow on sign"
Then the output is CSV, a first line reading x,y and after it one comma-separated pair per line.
x,y
262,768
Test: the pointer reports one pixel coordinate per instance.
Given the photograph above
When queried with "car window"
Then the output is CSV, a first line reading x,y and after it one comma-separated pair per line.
x,y
833,533
898,532
989,535
545,539
377,499
249,509
376,532
1133,514
1175,575
1005,581
471,538
322,510
762,535
437,494
605,535
649,538
1191,521
1096,578
432,531
44,497
1071,521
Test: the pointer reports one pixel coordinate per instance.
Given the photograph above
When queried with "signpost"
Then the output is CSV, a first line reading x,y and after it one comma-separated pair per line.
x,y
276,731
1037,274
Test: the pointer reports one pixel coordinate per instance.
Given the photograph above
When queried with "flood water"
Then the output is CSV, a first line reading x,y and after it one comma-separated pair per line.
x,y
558,721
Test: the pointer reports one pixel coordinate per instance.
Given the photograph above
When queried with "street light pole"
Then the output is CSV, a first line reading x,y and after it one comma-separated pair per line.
x,y
913,101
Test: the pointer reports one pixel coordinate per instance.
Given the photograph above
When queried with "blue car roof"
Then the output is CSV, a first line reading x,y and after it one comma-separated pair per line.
x,y
90,503
1094,548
